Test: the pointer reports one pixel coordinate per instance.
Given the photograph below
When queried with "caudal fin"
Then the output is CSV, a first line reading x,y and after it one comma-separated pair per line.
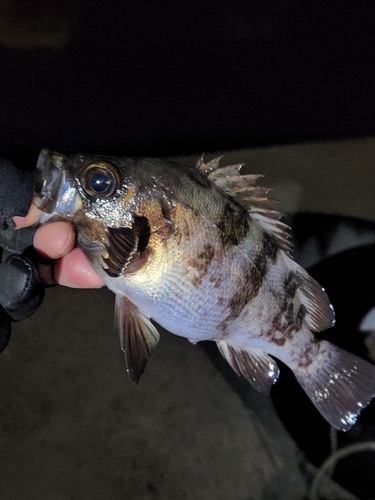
x,y
339,384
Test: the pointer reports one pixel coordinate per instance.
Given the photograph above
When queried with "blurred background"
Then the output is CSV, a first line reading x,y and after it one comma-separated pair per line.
x,y
288,88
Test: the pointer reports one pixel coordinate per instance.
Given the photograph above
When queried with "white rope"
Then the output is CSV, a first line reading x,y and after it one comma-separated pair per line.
x,y
326,470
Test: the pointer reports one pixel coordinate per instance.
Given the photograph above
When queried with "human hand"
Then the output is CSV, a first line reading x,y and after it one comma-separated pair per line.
x,y
22,277
56,241
21,289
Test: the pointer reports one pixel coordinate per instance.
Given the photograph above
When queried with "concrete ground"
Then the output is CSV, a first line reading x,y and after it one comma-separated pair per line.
x,y
74,427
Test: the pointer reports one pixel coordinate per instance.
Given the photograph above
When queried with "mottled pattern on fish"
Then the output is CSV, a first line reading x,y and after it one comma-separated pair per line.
x,y
202,251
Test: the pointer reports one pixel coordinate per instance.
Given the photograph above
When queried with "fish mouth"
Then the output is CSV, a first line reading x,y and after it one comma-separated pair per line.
x,y
56,187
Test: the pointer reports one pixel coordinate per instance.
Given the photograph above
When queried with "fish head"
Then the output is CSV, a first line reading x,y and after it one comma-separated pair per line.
x,y
82,189
112,203
68,185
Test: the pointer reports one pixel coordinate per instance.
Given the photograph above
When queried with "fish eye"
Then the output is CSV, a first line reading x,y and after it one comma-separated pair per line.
x,y
100,180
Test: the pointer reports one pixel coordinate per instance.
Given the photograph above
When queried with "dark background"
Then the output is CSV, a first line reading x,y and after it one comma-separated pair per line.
x,y
165,78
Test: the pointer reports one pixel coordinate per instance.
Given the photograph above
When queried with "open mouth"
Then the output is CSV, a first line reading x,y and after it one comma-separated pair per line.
x,y
55,186
49,170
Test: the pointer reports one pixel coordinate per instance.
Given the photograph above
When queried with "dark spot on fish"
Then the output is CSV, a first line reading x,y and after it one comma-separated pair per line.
x,y
309,354
270,248
216,280
228,210
277,335
289,313
202,263
234,223
250,281
196,281
300,316
260,261
286,323
247,290
207,254
181,231
290,285
203,258
197,178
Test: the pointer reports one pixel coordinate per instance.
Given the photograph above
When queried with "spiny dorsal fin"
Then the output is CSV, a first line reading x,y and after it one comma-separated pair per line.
x,y
205,168
254,198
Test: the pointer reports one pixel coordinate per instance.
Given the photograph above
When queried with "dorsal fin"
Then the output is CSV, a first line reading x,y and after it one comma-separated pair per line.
x,y
206,168
254,198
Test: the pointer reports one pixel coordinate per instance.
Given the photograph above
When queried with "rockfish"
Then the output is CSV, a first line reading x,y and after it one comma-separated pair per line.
x,y
202,252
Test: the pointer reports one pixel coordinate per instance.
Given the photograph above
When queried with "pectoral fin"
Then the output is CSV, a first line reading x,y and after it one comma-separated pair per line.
x,y
125,246
122,245
254,365
138,336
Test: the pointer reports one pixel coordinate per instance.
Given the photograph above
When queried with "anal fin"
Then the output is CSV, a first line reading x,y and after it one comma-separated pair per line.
x,y
254,365
138,336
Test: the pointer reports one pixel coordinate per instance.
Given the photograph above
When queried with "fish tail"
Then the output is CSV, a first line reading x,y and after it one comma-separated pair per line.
x,y
339,384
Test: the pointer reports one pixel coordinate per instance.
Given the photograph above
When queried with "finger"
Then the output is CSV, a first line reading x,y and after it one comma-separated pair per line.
x,y
75,271
31,218
54,240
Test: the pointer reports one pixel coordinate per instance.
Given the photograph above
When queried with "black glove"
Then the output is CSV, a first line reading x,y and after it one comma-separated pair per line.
x,y
21,289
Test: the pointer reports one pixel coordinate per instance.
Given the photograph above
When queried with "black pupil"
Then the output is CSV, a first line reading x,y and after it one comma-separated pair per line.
x,y
100,182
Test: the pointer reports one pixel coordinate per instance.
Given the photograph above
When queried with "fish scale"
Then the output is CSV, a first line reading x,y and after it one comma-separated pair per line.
x,y
203,253
172,307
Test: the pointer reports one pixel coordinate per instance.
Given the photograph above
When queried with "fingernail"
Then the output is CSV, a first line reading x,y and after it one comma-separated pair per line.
x,y
69,242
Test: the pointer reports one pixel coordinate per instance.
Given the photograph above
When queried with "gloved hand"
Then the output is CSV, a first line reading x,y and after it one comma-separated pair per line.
x,y
21,288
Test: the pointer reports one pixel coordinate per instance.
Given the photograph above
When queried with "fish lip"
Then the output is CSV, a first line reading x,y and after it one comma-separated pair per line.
x,y
56,187
49,171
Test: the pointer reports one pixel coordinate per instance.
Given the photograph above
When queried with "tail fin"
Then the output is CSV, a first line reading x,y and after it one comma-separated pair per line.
x,y
339,384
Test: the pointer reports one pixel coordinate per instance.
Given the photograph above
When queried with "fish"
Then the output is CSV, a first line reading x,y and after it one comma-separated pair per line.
x,y
202,251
